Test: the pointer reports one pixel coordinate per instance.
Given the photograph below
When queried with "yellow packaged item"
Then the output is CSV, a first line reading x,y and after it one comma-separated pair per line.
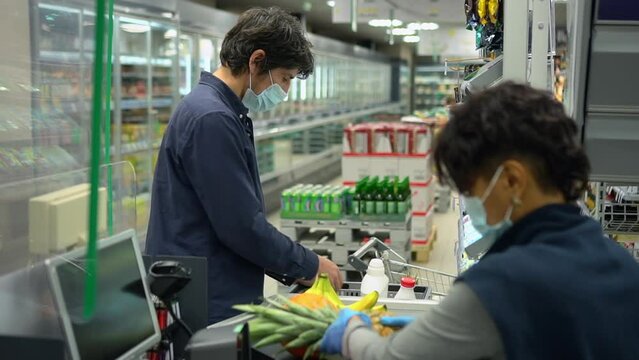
x,y
482,10
493,11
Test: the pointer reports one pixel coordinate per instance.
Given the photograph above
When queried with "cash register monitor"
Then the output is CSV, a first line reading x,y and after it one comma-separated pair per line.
x,y
124,324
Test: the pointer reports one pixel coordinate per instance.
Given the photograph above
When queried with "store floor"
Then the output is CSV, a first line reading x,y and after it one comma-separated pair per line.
x,y
442,257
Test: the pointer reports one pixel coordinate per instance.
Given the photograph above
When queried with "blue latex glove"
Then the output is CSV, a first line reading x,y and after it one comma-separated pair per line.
x,y
396,321
332,340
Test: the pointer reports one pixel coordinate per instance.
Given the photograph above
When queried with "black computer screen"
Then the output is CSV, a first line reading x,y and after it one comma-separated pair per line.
x,y
122,318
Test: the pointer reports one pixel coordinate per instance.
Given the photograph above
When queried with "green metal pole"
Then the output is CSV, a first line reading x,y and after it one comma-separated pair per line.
x,y
96,137
107,120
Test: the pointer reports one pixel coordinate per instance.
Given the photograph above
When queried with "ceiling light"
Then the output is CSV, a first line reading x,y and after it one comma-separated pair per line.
x,y
135,28
423,26
411,39
170,34
385,22
168,15
330,3
403,31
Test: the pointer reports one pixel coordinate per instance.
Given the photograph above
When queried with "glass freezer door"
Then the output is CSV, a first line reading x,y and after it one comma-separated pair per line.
x,y
136,85
208,54
54,140
188,65
164,54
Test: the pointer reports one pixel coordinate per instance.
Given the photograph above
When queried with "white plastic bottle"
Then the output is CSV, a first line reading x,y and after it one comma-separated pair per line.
x,y
375,279
406,290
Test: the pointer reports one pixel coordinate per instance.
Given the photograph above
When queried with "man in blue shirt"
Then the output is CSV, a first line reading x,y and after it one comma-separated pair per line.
x,y
207,197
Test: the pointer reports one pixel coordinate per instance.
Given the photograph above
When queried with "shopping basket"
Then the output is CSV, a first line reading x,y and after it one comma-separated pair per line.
x,y
397,267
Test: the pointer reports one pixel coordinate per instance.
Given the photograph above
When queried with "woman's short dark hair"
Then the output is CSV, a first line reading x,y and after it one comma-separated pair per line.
x,y
512,121
276,32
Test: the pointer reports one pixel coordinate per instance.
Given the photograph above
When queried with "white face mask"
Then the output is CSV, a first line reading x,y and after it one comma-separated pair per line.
x,y
475,209
267,99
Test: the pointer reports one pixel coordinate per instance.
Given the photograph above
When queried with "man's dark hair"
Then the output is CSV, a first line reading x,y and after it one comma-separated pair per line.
x,y
276,32
512,121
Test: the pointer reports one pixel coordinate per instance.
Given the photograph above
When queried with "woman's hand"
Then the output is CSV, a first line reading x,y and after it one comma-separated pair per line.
x,y
332,340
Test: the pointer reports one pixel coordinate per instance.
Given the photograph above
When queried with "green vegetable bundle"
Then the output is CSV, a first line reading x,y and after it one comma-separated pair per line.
x,y
282,321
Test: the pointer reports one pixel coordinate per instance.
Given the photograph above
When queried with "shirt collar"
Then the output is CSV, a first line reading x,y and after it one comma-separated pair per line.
x,y
546,218
211,80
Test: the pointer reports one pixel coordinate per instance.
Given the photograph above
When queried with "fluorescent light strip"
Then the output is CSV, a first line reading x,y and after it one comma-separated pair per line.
x,y
403,31
423,26
411,39
385,22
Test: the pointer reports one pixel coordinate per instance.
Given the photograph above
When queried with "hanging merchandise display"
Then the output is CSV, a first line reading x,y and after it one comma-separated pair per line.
x,y
485,17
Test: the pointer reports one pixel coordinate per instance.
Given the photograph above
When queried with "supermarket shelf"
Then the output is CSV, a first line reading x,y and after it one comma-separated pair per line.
x,y
309,163
279,131
134,147
626,193
162,102
144,75
142,104
61,56
141,60
133,104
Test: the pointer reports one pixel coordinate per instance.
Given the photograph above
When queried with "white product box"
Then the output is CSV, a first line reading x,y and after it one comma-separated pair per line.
x,y
422,196
421,227
354,167
423,141
416,167
384,166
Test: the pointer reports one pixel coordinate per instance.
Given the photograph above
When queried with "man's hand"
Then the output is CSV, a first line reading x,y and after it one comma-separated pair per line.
x,y
331,269
328,267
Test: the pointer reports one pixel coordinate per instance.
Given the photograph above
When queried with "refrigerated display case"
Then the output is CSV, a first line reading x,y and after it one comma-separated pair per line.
x,y
45,100
401,84
188,63
146,89
432,87
53,131
157,58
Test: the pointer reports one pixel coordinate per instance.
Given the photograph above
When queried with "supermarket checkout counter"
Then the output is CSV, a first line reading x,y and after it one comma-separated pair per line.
x,y
223,341
229,339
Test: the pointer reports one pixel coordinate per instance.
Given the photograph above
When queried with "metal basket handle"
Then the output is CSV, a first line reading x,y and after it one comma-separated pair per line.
x,y
356,259
382,251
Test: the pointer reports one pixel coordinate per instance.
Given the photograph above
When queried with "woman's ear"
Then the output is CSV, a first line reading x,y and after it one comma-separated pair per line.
x,y
516,177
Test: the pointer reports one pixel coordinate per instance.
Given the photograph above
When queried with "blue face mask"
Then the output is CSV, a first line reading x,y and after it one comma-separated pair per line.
x,y
267,99
475,209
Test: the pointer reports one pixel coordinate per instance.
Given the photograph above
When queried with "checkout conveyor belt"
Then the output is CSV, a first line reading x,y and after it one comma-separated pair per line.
x,y
220,341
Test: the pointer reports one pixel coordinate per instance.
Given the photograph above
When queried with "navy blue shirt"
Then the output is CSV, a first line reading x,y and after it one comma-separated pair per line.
x,y
558,288
207,200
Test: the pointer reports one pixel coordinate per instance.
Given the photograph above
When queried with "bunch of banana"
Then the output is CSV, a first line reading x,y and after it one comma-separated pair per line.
x,y
376,314
322,286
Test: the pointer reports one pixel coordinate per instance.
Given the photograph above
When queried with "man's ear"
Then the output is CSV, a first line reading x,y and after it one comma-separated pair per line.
x,y
256,61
